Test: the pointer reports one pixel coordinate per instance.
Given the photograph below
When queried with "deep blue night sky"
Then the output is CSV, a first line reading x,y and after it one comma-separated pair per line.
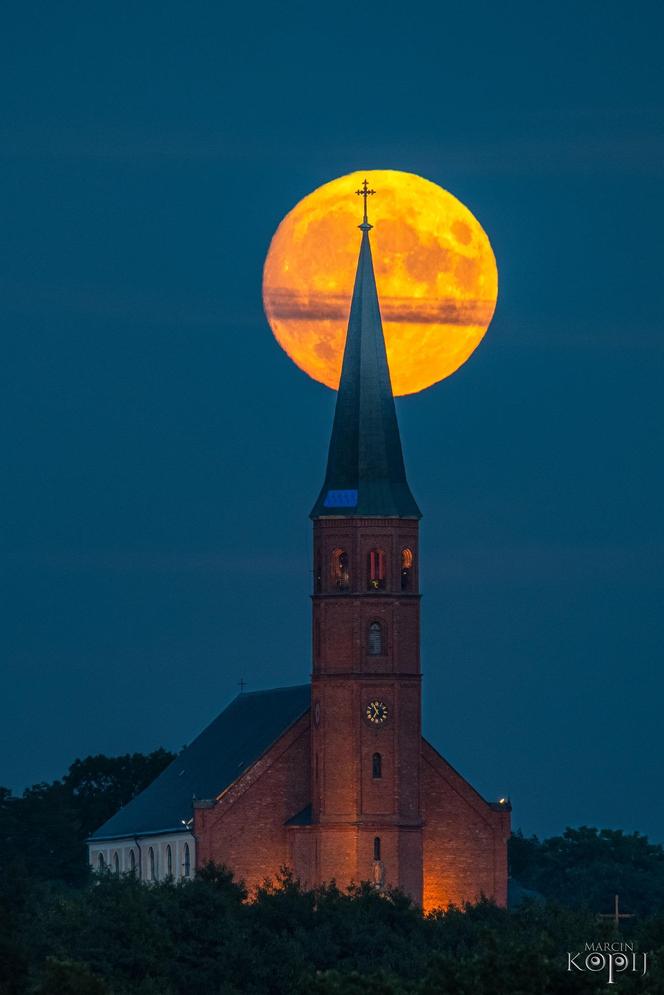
x,y
161,453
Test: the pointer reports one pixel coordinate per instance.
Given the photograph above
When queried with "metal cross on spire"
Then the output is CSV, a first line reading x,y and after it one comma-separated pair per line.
x,y
365,192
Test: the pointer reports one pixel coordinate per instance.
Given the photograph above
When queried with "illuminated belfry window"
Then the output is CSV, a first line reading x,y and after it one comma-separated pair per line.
x,y
376,571
187,861
377,848
375,639
169,861
406,569
340,572
377,766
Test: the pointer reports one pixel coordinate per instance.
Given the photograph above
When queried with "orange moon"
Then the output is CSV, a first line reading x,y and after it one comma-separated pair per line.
x,y
435,271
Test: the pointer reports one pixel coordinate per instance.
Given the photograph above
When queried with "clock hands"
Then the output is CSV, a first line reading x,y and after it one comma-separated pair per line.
x,y
376,711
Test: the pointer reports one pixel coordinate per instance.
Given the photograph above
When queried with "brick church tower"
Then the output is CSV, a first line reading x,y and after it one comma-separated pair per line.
x,y
366,731
333,779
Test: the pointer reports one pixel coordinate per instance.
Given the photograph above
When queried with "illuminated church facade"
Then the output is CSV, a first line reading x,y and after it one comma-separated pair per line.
x,y
333,779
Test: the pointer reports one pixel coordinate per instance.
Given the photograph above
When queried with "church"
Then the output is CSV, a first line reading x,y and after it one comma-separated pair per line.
x,y
334,778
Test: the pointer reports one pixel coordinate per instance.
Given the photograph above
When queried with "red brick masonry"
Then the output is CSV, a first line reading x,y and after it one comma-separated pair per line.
x,y
464,838
437,838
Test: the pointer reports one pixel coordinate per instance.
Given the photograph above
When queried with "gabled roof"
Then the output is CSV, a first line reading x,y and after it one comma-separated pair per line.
x,y
212,762
365,469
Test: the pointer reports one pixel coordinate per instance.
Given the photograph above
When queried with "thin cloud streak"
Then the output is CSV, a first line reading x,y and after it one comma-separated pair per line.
x,y
155,561
483,565
576,140
47,300
290,305
548,564
40,300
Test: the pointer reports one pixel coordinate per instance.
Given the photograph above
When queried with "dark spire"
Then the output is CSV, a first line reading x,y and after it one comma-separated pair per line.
x,y
365,471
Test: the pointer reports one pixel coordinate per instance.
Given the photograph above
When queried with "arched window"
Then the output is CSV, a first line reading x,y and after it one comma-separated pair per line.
x,y
377,848
375,639
132,862
340,571
186,861
152,870
376,570
406,569
169,861
377,765
101,863
116,863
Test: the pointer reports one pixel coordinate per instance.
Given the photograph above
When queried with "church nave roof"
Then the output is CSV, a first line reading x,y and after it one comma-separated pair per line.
x,y
213,761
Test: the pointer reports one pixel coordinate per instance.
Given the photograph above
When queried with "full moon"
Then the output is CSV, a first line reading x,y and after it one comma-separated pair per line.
x,y
435,271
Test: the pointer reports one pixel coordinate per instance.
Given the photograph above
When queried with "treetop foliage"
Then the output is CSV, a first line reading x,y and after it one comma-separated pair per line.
x,y
116,936
588,866
65,931
44,829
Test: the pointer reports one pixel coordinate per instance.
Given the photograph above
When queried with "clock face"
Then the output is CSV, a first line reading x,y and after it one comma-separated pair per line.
x,y
376,712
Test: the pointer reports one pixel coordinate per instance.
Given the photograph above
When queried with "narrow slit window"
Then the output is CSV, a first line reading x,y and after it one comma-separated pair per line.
x,y
375,639
116,863
376,570
187,861
169,861
151,865
132,861
377,766
100,862
377,848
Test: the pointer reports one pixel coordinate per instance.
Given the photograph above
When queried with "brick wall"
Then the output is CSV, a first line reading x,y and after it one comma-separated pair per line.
x,y
246,828
461,852
465,838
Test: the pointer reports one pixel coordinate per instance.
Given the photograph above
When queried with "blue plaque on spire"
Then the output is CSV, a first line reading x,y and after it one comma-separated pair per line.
x,y
340,499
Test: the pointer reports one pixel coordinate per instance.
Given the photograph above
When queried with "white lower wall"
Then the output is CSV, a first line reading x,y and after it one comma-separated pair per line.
x,y
123,849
